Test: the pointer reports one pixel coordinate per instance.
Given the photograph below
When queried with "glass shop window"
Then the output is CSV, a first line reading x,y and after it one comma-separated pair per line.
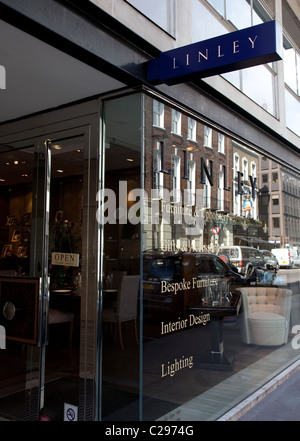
x,y
120,289
181,257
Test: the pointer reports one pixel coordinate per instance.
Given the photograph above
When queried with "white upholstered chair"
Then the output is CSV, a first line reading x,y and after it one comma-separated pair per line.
x,y
265,315
126,305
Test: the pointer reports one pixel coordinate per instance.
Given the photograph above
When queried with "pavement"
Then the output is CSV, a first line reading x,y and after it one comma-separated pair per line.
x,y
282,404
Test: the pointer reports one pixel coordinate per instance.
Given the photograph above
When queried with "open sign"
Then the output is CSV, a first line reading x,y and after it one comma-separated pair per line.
x,y
65,259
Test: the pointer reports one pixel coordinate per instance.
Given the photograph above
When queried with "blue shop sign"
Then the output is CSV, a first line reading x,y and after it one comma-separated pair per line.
x,y
248,47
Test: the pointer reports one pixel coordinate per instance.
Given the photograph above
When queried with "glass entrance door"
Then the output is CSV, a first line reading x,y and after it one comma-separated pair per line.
x,y
45,276
65,265
22,180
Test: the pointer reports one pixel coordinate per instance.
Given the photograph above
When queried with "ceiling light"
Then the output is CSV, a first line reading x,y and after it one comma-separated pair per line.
x,y
2,180
16,162
129,160
59,171
56,147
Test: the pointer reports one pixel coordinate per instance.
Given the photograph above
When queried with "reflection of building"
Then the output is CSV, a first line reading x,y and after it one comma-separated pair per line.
x,y
279,203
190,163
245,168
191,170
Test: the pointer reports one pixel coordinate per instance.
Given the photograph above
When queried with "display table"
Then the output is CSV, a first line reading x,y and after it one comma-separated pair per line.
x,y
217,358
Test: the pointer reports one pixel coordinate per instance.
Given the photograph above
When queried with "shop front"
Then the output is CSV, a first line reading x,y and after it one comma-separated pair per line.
x,y
116,299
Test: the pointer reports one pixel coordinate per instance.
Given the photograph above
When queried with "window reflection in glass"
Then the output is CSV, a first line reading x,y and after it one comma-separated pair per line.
x,y
234,78
259,14
258,84
289,64
239,13
292,108
210,26
218,5
159,11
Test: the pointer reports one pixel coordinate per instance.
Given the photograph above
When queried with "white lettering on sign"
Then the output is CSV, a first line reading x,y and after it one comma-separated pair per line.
x,y
185,285
65,259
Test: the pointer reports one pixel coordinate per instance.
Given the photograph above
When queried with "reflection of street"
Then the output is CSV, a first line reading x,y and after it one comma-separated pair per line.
x,y
290,275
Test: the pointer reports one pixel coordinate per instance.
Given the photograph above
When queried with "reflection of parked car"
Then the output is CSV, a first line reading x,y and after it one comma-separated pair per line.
x,y
270,259
296,261
241,257
173,283
285,256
